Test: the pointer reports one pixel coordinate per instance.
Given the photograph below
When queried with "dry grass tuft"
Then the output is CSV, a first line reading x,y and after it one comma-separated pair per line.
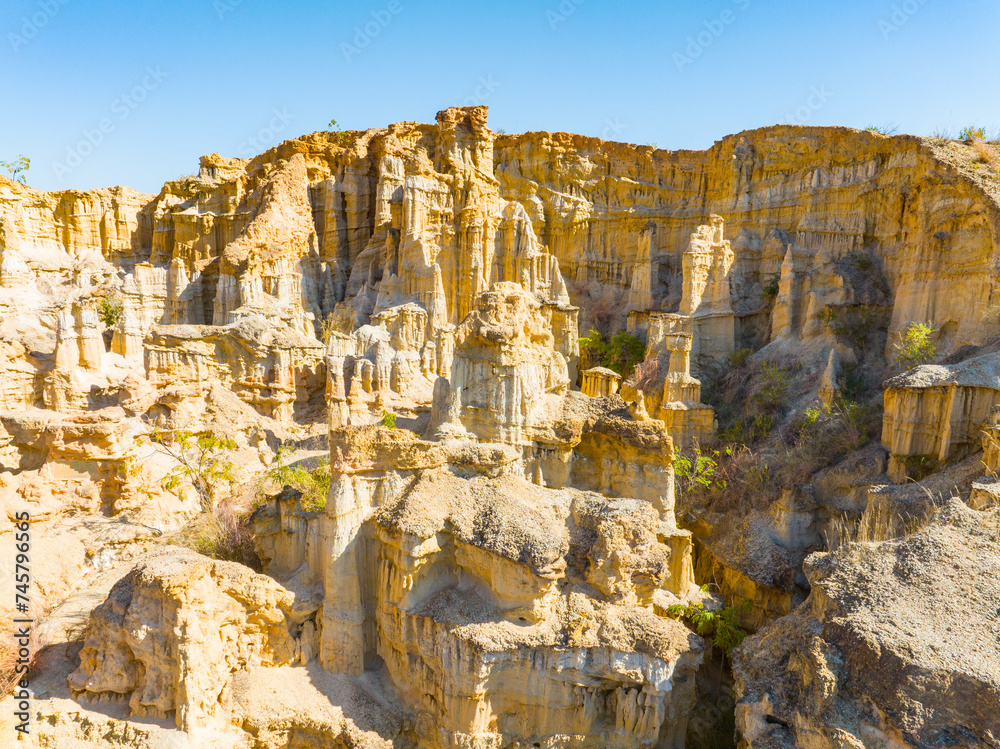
x,y
985,154
225,532
880,522
648,376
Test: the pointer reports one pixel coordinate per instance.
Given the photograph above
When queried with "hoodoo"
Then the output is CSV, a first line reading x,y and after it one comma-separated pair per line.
x,y
431,436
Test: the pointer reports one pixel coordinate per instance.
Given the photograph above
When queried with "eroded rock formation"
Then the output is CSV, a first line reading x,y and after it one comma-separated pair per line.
x,y
501,574
876,655
937,412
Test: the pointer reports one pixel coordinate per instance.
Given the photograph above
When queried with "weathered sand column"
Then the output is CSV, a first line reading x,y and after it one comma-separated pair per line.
x,y
599,381
688,420
640,294
342,646
679,384
706,295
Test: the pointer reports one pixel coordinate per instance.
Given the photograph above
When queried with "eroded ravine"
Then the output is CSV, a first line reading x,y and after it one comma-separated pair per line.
x,y
495,538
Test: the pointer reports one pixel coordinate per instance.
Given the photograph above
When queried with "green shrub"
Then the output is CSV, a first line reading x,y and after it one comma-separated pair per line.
x,y
915,346
861,260
17,169
748,430
620,354
202,459
828,432
857,324
771,288
388,420
314,484
739,357
222,530
770,393
722,625
854,383
697,472
972,132
110,310
918,467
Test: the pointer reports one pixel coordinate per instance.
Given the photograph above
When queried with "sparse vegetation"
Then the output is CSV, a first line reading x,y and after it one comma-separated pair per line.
x,y
621,354
880,522
771,288
110,310
738,357
224,532
203,460
914,346
697,471
838,429
648,375
985,154
918,467
760,449
722,625
861,261
889,128
773,386
602,306
340,137
747,398
314,484
388,420
971,133
859,325
327,328
17,169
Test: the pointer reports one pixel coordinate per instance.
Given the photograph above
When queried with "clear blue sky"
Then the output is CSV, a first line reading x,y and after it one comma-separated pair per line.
x,y
169,81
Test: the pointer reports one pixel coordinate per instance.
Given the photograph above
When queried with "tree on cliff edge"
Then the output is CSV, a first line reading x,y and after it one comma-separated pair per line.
x,y
17,168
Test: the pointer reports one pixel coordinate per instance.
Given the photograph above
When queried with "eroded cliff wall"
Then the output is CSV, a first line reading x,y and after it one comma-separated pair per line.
x,y
351,223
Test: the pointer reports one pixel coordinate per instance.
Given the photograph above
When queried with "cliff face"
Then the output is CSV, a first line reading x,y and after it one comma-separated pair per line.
x,y
872,659
351,223
501,574
813,195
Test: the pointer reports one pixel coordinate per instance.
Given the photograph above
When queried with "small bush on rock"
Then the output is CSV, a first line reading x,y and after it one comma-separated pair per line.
x,y
915,346
621,354
313,483
771,288
110,311
722,625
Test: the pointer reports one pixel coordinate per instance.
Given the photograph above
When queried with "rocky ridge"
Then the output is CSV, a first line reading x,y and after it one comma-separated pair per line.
x,y
501,574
